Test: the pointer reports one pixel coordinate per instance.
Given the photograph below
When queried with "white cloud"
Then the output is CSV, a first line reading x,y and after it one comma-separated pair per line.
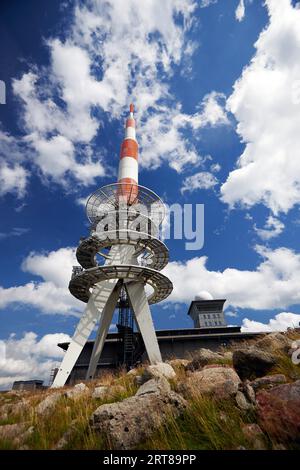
x,y
231,314
215,167
13,176
240,11
273,227
201,180
135,60
50,294
206,3
266,105
15,232
281,322
29,357
81,201
273,284
13,179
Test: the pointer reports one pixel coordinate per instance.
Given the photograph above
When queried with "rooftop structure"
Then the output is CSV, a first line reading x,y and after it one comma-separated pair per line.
x,y
207,313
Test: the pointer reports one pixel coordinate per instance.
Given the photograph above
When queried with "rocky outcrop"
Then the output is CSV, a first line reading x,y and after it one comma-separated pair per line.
x,y
16,433
269,381
274,343
252,362
279,411
161,369
222,382
202,358
160,385
13,409
47,405
127,423
100,392
78,391
11,431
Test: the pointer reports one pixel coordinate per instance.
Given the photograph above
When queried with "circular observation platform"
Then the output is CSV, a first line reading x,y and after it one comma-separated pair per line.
x,y
80,284
157,254
108,199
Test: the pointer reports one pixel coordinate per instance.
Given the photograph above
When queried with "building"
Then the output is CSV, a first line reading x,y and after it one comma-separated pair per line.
x,y
207,313
29,385
173,343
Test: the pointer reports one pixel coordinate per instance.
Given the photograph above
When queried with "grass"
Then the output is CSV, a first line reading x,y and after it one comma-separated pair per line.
x,y
206,424
286,367
76,413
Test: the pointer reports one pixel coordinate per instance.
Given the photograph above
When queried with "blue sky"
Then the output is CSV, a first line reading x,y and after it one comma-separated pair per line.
x,y
217,95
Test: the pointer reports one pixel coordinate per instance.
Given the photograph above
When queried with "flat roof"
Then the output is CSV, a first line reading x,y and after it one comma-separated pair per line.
x,y
184,334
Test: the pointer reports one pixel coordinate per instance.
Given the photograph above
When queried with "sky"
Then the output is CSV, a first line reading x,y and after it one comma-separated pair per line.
x,y
216,86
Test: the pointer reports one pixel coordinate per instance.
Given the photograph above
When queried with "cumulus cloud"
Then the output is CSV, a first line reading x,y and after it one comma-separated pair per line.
x,y
29,357
201,180
273,227
265,103
273,284
136,59
281,322
13,179
50,292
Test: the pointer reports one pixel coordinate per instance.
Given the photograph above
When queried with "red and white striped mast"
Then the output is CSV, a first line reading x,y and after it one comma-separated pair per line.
x,y
128,166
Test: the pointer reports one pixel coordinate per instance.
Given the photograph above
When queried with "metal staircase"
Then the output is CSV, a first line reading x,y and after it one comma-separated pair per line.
x,y
125,327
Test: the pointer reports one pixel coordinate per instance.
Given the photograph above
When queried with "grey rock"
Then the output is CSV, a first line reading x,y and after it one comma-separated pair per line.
x,y
11,431
287,392
202,358
219,381
161,369
242,402
128,423
47,405
13,409
274,342
252,362
100,392
77,391
160,385
268,381
248,391
139,380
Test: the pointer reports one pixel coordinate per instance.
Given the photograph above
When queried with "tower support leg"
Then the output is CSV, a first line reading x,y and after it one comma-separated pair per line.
x,y
98,298
139,304
94,309
104,323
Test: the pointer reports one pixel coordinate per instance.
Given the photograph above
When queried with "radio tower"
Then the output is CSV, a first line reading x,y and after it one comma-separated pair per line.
x,y
125,220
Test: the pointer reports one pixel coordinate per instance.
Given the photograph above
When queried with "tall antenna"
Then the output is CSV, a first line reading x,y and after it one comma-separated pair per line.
x,y
125,219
